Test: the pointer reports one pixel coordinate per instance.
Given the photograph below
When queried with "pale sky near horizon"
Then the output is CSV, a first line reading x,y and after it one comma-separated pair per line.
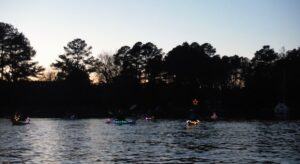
x,y
232,26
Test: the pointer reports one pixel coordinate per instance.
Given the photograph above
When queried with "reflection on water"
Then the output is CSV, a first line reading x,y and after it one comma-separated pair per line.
x,y
93,141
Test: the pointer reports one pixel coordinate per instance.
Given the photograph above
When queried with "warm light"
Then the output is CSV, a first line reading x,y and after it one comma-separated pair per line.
x,y
195,102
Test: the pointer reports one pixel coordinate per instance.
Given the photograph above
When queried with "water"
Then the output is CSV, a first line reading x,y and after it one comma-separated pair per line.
x,y
162,141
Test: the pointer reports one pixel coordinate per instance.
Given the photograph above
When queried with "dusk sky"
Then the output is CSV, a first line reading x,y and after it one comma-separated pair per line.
x,y
232,26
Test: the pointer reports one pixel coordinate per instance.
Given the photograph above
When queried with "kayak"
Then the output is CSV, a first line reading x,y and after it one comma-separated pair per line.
x,y
20,122
192,123
149,118
214,116
120,122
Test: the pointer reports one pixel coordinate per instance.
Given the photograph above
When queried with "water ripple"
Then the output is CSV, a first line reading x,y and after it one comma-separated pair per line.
x,y
163,141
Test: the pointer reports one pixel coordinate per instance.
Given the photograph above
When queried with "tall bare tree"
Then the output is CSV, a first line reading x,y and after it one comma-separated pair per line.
x,y
105,68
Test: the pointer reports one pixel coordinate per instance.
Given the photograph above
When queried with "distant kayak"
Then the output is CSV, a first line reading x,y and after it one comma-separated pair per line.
x,y
149,118
120,122
20,123
18,120
192,123
27,121
214,116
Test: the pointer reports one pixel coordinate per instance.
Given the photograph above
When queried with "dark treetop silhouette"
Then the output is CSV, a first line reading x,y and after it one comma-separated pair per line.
x,y
158,83
76,63
15,55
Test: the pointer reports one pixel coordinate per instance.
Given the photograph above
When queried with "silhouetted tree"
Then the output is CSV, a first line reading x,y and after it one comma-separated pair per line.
x,y
263,79
236,70
266,55
192,64
293,55
76,64
154,69
16,55
106,68
262,64
152,61
133,61
291,70
123,59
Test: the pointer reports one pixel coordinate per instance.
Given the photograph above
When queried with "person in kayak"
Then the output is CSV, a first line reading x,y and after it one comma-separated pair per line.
x,y
214,116
193,116
120,115
17,117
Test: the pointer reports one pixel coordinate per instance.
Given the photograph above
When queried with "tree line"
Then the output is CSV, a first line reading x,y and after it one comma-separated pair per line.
x,y
143,75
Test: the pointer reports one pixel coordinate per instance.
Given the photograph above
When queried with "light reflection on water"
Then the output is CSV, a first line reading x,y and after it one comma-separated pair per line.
x,y
169,141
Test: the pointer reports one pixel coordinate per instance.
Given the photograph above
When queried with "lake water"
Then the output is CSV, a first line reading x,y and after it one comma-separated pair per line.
x,y
161,141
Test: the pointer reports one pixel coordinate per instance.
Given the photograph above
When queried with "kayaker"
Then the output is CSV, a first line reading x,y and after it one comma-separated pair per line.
x,y
17,117
120,115
193,112
192,116
27,120
214,116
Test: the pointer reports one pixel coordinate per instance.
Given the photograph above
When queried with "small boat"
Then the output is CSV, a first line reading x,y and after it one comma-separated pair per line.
x,y
120,122
214,116
148,118
20,122
192,123
70,117
281,111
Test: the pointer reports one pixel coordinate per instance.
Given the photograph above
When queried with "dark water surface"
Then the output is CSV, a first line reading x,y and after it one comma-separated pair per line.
x,y
162,141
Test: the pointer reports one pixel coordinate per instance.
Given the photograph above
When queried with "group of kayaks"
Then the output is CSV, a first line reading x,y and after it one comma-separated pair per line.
x,y
131,122
112,121
189,123
126,120
17,121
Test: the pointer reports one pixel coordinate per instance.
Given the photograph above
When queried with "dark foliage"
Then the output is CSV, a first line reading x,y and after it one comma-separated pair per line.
x,y
139,63
76,63
142,80
15,55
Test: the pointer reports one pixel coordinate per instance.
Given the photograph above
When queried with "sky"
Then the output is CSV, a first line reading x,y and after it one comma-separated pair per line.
x,y
232,26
